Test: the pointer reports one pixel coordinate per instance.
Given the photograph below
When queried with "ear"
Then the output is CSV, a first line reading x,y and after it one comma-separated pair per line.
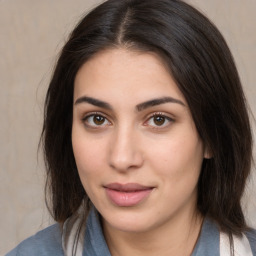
x,y
207,153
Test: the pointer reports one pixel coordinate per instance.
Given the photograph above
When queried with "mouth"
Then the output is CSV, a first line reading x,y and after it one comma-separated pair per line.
x,y
127,195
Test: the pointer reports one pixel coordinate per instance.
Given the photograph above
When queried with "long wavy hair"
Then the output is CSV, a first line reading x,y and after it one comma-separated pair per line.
x,y
201,64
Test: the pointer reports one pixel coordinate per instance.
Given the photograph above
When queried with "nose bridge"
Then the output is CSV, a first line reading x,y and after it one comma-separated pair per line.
x,y
124,151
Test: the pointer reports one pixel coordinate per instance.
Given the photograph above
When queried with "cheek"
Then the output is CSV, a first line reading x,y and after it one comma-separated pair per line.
x,y
178,168
89,154
177,158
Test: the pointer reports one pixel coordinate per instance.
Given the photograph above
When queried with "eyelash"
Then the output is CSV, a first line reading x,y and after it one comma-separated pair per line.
x,y
152,116
91,115
166,118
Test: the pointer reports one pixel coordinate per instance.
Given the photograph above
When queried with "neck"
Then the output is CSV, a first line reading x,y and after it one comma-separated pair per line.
x,y
167,239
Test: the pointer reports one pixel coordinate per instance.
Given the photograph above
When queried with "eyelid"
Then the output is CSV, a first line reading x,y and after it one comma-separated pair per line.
x,y
162,114
159,113
166,116
94,113
88,114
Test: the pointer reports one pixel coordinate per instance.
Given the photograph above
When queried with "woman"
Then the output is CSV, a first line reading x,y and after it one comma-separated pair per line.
x,y
147,138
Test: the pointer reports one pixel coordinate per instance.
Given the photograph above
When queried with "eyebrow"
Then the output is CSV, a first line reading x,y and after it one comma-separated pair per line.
x,y
139,107
158,101
93,101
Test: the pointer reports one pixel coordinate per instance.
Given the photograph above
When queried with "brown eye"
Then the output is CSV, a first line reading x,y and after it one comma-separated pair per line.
x,y
98,120
159,120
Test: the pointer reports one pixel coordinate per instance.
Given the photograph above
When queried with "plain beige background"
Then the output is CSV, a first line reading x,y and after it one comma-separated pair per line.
x,y
32,32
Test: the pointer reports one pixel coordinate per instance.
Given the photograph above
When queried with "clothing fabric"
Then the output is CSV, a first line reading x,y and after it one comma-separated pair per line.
x,y
51,241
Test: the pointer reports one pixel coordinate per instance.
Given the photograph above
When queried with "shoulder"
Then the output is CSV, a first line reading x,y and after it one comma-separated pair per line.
x,y
45,242
215,243
251,236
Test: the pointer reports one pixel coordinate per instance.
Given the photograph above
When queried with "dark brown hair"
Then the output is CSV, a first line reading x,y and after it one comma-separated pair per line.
x,y
202,66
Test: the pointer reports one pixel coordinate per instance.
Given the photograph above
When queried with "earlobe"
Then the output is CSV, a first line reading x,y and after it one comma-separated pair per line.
x,y
208,153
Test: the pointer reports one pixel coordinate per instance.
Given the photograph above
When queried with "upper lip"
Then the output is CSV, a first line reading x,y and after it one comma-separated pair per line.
x,y
128,187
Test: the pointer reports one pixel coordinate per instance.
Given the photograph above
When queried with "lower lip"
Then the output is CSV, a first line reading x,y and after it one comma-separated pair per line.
x,y
127,199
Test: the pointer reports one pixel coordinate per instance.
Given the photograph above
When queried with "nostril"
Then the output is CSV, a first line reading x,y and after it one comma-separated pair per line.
x,y
125,163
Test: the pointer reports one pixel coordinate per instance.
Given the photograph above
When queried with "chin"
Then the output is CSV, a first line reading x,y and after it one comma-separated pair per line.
x,y
128,220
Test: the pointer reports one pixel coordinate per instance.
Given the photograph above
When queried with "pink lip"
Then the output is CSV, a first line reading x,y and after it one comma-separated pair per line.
x,y
129,194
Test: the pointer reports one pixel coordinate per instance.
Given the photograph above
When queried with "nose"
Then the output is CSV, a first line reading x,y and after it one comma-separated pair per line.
x,y
125,153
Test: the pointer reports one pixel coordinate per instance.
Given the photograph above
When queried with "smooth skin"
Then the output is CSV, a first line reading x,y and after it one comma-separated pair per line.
x,y
120,136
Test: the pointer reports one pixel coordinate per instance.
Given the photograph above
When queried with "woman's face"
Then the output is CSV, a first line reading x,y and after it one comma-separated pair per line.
x,y
136,147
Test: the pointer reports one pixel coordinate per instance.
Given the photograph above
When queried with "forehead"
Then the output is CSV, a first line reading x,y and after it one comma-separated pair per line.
x,y
125,72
